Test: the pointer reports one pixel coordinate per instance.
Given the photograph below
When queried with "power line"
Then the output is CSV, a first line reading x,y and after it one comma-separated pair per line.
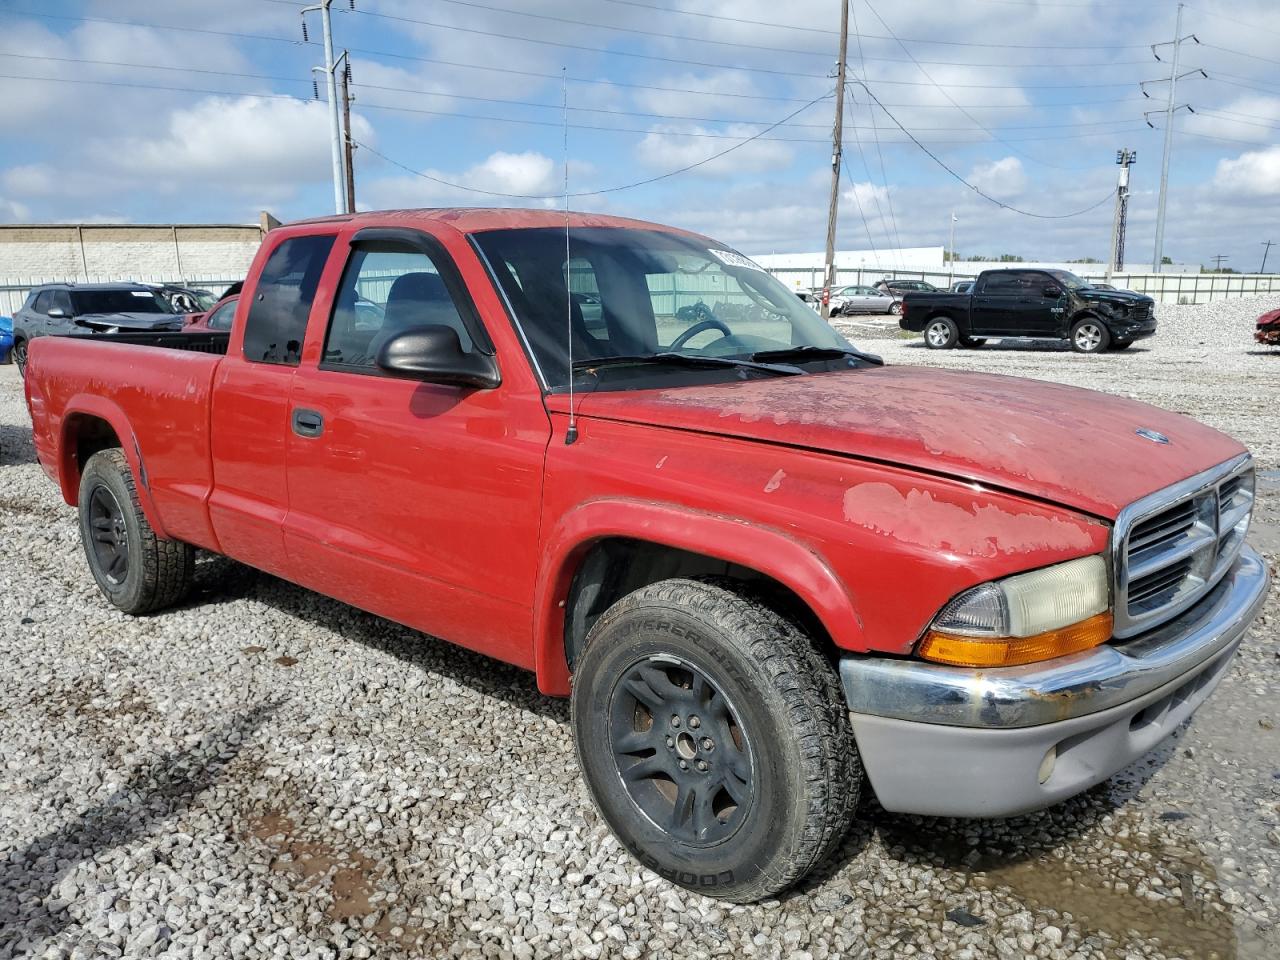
x,y
617,28
594,193
976,122
525,103
974,187
875,132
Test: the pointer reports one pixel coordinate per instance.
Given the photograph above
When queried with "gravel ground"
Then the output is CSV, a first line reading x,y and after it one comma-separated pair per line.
x,y
266,772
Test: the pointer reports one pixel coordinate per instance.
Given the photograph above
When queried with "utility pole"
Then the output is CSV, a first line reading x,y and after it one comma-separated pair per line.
x,y
837,135
1169,110
1266,248
1217,261
331,82
1115,260
951,257
349,148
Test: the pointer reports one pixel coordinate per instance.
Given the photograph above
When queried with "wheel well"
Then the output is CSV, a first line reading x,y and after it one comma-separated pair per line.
x,y
617,566
86,435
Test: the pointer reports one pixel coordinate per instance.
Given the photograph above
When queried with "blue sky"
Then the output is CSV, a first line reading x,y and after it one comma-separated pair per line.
x,y
1026,100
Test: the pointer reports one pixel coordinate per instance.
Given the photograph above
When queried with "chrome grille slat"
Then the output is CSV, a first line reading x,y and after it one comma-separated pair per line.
x,y
1171,548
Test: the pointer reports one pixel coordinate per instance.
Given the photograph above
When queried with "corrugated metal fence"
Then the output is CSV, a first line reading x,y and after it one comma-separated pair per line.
x,y
1163,287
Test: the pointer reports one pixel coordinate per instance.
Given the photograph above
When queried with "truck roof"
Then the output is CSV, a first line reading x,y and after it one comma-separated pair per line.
x,y
481,219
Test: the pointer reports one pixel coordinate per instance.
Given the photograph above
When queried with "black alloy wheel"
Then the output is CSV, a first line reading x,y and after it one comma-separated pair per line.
x,y
681,751
110,543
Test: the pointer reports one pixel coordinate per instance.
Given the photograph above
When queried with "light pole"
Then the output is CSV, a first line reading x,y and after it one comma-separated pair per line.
x,y
331,84
951,258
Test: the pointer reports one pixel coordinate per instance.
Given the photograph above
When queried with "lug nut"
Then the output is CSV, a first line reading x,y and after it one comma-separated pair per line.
x,y
708,743
694,723
670,743
684,764
675,721
702,765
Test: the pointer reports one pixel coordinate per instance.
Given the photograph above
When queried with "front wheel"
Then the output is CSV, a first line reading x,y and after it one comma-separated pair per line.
x,y
714,739
136,570
941,333
1090,336
20,356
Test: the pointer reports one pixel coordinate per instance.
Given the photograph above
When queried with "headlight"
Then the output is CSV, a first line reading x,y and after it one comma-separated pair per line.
x,y
1033,616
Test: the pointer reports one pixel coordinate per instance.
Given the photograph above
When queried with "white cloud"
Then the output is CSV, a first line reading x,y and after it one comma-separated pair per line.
x,y
1255,173
665,149
529,173
1001,178
240,144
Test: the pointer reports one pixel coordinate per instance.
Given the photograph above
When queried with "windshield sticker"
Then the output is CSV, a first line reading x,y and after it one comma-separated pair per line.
x,y
734,259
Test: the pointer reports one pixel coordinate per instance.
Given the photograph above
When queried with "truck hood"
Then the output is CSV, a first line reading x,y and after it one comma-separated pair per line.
x,y
1113,297
1074,447
130,321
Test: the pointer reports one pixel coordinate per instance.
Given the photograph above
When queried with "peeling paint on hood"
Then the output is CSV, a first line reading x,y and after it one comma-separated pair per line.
x,y
1070,446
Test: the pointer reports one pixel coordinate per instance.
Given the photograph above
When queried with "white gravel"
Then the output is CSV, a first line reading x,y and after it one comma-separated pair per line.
x,y
268,773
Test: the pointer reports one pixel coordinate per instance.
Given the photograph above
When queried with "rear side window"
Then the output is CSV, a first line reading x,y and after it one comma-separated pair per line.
x,y
277,319
1001,283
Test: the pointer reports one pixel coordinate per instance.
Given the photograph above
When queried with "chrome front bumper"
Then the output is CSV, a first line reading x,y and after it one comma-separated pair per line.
x,y
966,742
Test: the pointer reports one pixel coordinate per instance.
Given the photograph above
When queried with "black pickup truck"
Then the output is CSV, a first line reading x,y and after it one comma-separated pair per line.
x,y
1031,304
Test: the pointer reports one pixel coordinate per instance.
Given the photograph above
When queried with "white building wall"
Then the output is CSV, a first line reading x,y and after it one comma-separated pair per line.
x,y
122,252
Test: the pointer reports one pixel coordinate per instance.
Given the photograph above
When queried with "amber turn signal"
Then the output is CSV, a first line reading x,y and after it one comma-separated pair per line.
x,y
1011,651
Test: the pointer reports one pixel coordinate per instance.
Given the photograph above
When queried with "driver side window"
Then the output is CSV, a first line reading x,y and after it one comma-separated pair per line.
x,y
387,288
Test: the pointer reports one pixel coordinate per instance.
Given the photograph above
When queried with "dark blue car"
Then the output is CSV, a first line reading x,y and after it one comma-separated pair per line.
x,y
6,338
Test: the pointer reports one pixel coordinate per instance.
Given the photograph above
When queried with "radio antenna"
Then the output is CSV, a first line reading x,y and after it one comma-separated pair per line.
x,y
571,434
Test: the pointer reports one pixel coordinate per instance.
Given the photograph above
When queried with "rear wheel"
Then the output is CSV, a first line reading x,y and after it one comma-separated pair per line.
x,y
941,333
714,739
1090,336
895,308
136,570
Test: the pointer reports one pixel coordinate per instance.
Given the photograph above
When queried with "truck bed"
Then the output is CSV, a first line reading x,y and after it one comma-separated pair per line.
x,y
197,341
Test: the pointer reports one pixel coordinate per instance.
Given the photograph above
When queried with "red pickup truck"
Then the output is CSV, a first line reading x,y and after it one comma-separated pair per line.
x,y
766,567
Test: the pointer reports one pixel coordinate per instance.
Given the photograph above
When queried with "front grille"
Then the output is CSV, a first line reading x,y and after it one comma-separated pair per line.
x,y
1171,548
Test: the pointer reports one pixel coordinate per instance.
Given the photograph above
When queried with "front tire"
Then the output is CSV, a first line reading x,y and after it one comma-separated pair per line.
x,y
1090,336
19,354
714,739
136,570
941,333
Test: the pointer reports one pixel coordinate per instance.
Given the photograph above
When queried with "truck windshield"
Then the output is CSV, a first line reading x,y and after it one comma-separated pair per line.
x,y
1068,279
117,301
625,292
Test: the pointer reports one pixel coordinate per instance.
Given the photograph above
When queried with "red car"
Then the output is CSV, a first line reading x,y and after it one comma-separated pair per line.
x,y
1268,329
769,570
217,317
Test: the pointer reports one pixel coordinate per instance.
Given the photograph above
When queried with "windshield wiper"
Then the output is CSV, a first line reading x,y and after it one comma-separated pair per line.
x,y
806,352
685,360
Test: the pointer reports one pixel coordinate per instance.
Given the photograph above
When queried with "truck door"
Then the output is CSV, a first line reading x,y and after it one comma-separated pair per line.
x,y
250,416
416,501
996,304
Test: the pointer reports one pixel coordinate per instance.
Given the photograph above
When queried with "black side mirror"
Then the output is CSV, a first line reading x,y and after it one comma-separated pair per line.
x,y
1052,292
433,354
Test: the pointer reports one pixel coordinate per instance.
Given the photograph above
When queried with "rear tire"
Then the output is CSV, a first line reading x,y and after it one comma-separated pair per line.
x,y
941,333
691,672
1090,336
895,308
136,570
